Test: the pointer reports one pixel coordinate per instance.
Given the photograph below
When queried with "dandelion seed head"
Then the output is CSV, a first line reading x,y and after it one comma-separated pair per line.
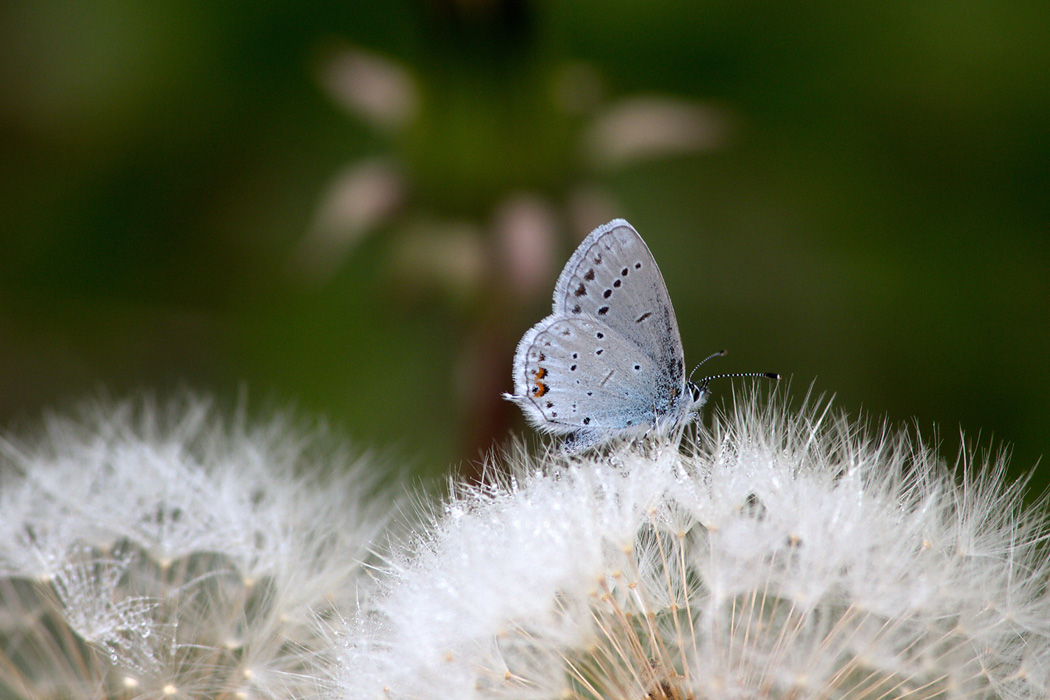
x,y
779,554
163,551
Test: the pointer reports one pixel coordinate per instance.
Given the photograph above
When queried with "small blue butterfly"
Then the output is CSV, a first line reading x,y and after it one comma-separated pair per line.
x,y
608,362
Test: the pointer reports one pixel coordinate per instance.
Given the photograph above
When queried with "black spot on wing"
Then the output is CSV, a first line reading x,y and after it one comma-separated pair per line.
x,y
644,316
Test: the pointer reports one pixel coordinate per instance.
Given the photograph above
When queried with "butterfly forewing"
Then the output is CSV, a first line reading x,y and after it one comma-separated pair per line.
x,y
613,278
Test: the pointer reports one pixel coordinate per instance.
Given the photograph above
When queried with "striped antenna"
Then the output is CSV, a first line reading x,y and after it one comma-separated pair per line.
x,y
768,375
722,353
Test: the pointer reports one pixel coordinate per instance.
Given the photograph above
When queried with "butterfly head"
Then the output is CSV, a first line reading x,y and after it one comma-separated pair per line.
x,y
698,393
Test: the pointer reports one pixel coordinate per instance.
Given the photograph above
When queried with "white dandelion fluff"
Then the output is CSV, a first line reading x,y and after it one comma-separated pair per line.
x,y
777,555
157,550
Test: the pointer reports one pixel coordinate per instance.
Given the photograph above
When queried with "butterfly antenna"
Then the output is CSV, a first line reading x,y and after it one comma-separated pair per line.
x,y
720,353
768,375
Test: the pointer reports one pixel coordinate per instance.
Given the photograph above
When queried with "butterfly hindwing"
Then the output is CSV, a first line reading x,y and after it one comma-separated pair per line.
x,y
573,373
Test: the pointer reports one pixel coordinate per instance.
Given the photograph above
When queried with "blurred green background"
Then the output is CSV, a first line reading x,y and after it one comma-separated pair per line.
x,y
358,208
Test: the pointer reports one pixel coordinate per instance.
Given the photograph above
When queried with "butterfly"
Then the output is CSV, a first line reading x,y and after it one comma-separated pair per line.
x,y
608,362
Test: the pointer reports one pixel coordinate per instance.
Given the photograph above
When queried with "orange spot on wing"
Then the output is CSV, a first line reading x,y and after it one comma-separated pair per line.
x,y
540,389
541,373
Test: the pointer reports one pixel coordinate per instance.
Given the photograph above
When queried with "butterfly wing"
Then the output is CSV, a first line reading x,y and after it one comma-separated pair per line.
x,y
613,278
576,375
